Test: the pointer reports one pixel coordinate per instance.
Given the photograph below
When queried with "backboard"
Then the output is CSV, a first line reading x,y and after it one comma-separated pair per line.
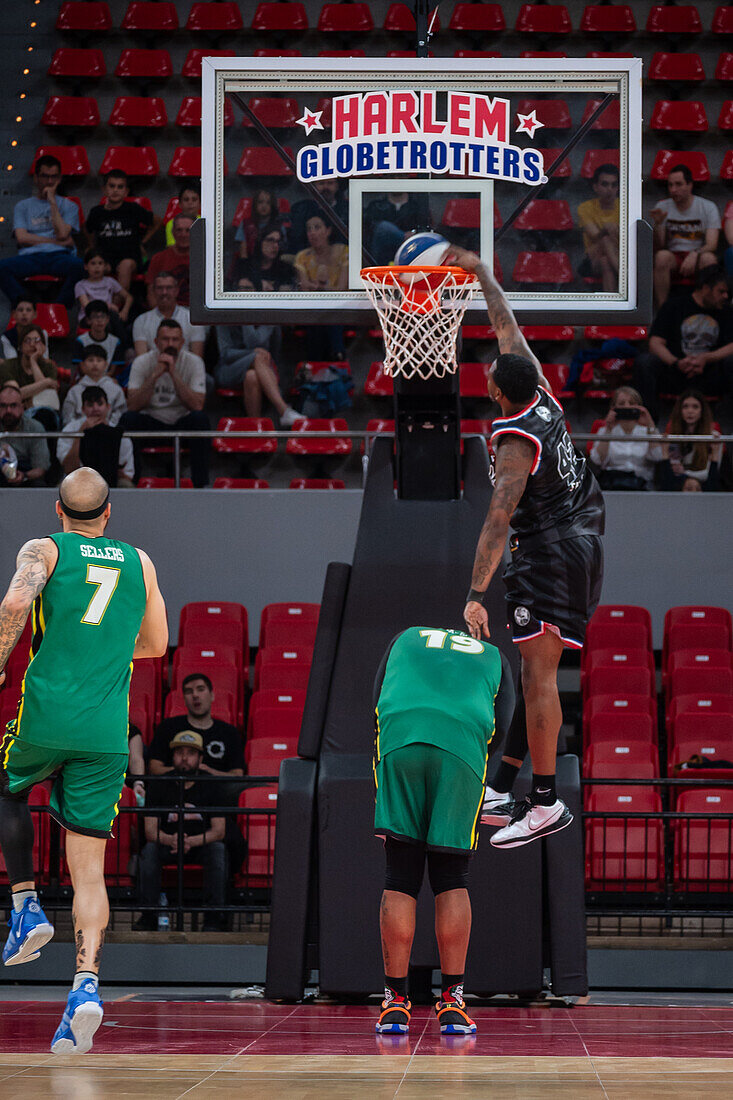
x,y
498,155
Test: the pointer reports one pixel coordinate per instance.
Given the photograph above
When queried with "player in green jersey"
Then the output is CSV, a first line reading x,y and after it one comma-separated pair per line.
x,y
96,606
440,697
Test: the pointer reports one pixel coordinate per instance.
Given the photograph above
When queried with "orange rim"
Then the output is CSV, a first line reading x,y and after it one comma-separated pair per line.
x,y
414,269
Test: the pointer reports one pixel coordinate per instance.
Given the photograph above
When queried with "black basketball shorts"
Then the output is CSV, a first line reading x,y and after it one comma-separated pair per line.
x,y
554,587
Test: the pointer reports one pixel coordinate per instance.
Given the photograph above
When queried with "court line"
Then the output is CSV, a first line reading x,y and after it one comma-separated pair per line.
x,y
412,1056
587,1052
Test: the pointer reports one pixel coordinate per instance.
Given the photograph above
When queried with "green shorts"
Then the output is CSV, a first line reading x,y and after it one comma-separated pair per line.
x,y
428,795
86,791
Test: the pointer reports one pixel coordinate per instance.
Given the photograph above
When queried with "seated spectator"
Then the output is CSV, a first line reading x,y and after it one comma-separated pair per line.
x,y
305,208
120,227
100,287
98,319
24,314
222,743
266,266
189,203
598,218
686,232
103,447
37,378
30,458
136,765
321,266
625,458
690,343
176,259
165,308
691,467
203,834
93,369
247,357
167,389
264,213
43,226
390,219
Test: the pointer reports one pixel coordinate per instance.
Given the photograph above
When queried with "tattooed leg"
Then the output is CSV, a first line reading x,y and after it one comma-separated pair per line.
x,y
85,856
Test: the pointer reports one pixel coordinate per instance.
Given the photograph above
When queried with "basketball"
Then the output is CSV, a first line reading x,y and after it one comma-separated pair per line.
x,y
422,249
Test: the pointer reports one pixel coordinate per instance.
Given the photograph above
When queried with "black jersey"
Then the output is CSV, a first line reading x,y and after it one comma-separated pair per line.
x,y
562,498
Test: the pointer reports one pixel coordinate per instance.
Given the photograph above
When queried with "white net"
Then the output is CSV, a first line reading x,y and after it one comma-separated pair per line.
x,y
420,311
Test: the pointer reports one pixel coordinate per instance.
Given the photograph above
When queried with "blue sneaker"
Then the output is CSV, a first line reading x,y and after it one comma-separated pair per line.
x,y
30,929
82,1017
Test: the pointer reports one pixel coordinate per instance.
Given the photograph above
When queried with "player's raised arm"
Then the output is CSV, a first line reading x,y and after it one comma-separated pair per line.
x,y
508,333
35,563
152,641
514,461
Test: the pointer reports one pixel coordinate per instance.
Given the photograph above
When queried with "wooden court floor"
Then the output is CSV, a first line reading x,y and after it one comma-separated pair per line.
x,y
167,1050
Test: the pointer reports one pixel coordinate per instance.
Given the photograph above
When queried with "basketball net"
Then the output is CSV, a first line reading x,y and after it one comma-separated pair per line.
x,y
420,310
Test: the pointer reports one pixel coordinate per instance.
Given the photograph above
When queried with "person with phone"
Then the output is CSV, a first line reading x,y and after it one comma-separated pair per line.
x,y
625,458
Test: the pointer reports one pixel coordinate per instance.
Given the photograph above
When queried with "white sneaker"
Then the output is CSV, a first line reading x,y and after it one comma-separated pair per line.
x,y
498,808
289,416
531,822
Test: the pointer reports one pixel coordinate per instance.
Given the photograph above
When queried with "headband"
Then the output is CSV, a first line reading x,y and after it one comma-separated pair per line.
x,y
73,513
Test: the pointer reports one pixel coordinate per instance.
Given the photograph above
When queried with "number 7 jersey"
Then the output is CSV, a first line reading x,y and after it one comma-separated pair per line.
x,y
85,623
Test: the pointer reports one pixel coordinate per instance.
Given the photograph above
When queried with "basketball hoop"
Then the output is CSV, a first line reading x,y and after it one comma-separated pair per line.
x,y
420,310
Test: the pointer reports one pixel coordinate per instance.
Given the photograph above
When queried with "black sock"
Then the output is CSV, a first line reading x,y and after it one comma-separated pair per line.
x,y
397,985
447,983
543,789
505,776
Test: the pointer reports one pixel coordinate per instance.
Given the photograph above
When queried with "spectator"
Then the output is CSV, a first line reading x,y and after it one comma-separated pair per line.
x,y
176,259
690,343
321,266
247,357
98,319
165,295
43,226
264,213
305,208
36,376
136,765
100,287
94,373
598,218
24,314
167,389
222,743
686,231
32,455
390,219
189,203
691,467
202,834
103,446
119,227
266,266
625,458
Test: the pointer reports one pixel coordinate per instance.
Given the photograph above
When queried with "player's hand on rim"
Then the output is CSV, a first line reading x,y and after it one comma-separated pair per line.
x,y
477,620
461,257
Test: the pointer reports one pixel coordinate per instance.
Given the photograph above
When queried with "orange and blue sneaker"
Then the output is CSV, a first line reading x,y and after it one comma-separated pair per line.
x,y
452,1015
395,1017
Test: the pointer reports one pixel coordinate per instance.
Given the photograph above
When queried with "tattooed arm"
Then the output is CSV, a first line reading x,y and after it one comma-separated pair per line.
x,y
508,333
34,565
514,461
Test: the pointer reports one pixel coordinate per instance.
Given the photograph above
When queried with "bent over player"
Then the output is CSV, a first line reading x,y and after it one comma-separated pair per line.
x,y
545,489
96,606
439,698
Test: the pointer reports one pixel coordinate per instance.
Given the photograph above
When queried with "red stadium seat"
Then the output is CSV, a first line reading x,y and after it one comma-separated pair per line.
x,y
608,19
140,715
72,112
275,725
545,215
342,53
150,15
217,17
139,112
266,445
462,214
278,675
554,114
164,483
725,118
477,53
84,15
676,115
549,157
723,20
543,267
351,18
223,667
280,17
135,160
192,65
240,483
77,64
74,160
208,620
275,113
378,384
697,703
278,53
701,635
702,734
258,829
206,650
317,483
292,610
289,630
619,758
122,845
189,117
627,681
225,706
300,444
632,333
683,68
273,707
557,375
265,753
400,18
594,158
186,162
478,18
673,19
699,614
548,333
726,168
703,849
695,658
52,317
474,379
145,683
609,119
377,426
619,703
243,211
699,681
724,68
622,656
621,728
258,161
607,53
543,19
624,853
543,53
144,65
666,159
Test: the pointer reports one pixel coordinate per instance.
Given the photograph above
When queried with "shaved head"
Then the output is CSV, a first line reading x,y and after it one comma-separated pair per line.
x,y
83,490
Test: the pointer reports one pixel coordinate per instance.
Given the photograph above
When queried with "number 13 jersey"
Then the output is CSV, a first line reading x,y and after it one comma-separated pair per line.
x,y
562,498
85,623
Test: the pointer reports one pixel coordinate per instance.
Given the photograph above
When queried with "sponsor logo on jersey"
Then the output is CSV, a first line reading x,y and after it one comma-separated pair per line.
x,y
543,413
102,553
521,616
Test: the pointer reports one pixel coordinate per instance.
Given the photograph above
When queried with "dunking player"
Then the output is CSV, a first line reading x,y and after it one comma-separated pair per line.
x,y
96,605
547,491
439,696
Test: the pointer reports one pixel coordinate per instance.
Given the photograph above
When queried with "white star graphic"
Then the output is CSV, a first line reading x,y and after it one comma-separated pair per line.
x,y
528,124
311,120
